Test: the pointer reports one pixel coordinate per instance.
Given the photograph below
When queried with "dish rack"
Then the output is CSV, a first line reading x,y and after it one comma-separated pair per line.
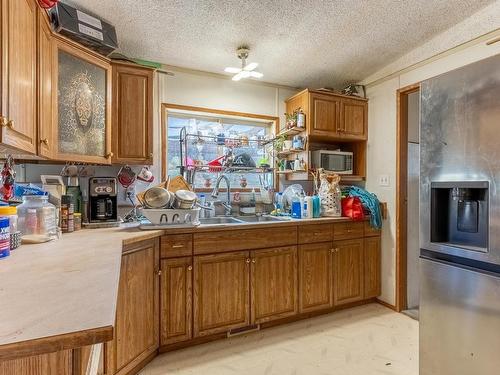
x,y
169,217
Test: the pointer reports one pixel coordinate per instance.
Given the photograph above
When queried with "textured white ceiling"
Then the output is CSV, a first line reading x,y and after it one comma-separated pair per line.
x,y
301,43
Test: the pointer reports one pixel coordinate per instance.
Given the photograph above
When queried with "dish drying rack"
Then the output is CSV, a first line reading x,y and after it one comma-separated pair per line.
x,y
217,165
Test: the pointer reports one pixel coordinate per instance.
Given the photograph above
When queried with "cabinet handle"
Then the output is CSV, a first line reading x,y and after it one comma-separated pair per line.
x,y
109,155
332,250
45,141
349,230
158,272
317,233
177,246
247,260
254,261
10,124
190,268
3,121
151,155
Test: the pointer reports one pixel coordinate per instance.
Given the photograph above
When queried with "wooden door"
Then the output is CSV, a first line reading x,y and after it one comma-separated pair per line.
x,y
348,271
274,284
58,363
136,327
18,73
325,115
221,292
315,276
46,93
176,300
82,80
372,272
354,119
132,114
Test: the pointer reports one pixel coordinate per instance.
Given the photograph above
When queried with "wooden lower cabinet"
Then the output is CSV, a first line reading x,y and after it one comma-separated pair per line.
x,y
136,329
372,262
221,292
176,297
348,271
58,363
274,284
315,276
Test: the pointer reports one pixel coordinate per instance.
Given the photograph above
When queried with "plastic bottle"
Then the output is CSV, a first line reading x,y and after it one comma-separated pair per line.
x,y
296,208
203,202
302,198
4,237
316,206
308,207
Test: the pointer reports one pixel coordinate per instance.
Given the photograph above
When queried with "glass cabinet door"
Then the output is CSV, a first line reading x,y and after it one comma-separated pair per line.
x,y
83,106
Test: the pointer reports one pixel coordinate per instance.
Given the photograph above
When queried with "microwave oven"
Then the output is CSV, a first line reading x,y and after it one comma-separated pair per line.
x,y
340,162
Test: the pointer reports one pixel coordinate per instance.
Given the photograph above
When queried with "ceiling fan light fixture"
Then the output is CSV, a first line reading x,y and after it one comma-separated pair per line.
x,y
246,70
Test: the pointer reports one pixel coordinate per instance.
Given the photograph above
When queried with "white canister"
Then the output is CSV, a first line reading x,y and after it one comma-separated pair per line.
x,y
301,120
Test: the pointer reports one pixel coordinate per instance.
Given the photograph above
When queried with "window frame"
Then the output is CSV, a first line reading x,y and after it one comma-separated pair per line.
x,y
202,111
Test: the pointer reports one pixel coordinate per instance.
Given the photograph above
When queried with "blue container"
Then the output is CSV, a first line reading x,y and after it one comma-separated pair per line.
x,y
316,206
296,208
4,237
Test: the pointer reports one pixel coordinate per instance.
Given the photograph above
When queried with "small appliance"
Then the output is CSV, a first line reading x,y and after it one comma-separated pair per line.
x,y
336,161
102,199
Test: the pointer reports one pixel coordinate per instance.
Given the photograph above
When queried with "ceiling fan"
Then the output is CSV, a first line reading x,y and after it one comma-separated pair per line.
x,y
246,70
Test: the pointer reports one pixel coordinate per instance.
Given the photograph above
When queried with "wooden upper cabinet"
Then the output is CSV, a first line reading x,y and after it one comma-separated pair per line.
x,y
372,263
82,81
176,296
18,74
136,328
348,271
274,284
354,118
325,118
132,130
221,292
316,276
46,94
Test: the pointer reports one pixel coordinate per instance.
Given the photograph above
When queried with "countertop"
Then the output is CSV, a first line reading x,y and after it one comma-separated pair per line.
x,y
62,294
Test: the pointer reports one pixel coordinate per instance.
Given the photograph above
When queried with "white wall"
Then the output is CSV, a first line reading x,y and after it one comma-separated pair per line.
x,y
382,133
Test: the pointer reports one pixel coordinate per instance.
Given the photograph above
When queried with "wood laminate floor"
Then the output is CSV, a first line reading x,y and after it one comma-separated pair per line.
x,y
365,340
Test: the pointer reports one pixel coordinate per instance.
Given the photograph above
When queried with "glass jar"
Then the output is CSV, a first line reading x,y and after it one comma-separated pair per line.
x,y
37,216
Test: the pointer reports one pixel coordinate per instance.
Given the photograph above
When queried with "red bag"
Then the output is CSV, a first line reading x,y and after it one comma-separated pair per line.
x,y
353,208
47,4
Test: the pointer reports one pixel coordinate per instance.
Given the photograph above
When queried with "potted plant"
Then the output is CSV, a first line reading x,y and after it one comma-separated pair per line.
x,y
291,120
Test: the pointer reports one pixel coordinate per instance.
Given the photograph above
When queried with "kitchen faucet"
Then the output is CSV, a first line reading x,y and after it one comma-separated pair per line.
x,y
215,193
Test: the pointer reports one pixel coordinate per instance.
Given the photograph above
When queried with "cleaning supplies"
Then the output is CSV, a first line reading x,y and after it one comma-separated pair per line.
x,y
308,207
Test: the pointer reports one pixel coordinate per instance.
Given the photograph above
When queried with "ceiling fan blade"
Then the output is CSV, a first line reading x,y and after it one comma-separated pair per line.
x,y
238,76
251,66
256,75
232,70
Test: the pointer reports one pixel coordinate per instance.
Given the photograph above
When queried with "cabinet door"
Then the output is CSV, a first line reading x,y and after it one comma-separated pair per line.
x,y
176,300
348,271
315,276
83,119
46,94
354,118
221,292
325,115
132,115
372,261
58,363
136,327
18,73
274,284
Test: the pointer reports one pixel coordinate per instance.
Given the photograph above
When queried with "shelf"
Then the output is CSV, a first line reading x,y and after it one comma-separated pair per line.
x,y
291,131
290,152
352,178
291,172
210,169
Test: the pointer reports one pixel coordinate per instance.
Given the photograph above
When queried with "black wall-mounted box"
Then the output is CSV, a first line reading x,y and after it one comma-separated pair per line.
x,y
84,28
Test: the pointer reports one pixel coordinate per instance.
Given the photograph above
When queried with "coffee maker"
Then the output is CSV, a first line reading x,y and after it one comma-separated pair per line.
x,y
102,199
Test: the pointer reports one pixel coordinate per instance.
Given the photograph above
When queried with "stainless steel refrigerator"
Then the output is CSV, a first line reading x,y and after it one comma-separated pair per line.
x,y
460,221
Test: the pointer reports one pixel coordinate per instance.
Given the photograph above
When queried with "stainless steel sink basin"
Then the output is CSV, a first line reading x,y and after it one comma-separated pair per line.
x,y
259,219
220,220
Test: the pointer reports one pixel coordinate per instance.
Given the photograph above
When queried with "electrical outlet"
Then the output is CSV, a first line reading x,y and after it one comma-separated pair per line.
x,y
384,180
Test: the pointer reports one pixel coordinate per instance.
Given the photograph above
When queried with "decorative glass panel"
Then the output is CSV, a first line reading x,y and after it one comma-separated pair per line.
x,y
82,106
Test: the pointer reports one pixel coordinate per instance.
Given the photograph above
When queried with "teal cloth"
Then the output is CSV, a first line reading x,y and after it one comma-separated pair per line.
x,y
370,202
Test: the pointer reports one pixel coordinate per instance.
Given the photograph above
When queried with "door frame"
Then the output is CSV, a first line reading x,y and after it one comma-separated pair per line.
x,y
401,194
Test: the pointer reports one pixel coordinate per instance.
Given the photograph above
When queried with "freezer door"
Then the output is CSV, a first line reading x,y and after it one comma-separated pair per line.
x,y
459,320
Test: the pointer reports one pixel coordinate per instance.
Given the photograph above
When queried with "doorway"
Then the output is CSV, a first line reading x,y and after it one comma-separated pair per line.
x,y
407,201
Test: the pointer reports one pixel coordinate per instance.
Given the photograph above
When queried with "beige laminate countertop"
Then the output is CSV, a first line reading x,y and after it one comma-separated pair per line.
x,y
62,294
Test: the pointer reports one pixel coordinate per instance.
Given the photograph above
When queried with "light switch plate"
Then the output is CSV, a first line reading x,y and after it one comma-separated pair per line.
x,y
384,180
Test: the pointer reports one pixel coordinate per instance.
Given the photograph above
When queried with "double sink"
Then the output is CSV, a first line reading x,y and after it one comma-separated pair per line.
x,y
239,220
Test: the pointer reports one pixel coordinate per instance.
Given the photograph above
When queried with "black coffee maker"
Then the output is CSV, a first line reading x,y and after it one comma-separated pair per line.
x,y
102,199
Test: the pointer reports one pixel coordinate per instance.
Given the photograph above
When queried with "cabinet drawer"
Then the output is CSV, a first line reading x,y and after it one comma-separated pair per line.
x,y
176,245
370,231
348,230
315,233
244,239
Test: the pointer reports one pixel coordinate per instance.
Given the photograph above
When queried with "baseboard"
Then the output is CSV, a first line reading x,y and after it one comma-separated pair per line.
x,y
388,305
